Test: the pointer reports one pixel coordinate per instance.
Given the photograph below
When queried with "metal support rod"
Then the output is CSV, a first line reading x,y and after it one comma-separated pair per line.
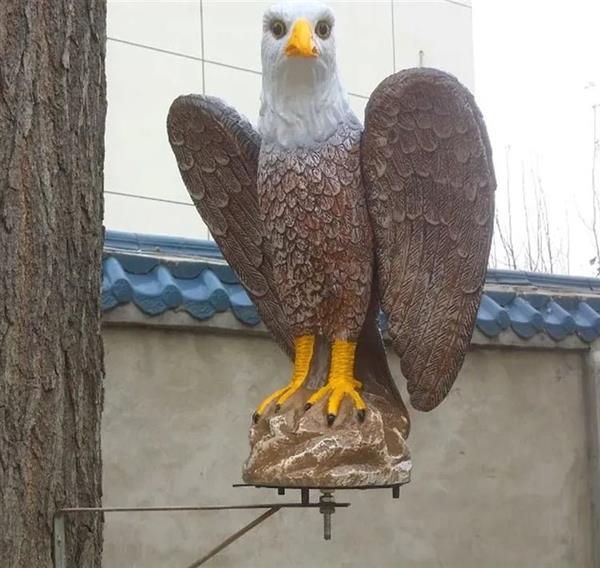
x,y
59,520
235,536
305,495
58,538
72,510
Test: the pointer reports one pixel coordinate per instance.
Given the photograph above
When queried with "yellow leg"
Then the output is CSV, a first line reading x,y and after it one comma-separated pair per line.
x,y
341,382
305,345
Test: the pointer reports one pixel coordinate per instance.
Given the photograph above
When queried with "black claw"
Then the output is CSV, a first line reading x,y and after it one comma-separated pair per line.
x,y
307,406
361,415
277,408
255,417
330,419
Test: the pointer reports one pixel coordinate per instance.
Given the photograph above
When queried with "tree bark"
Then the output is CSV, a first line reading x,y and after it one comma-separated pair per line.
x,y
52,111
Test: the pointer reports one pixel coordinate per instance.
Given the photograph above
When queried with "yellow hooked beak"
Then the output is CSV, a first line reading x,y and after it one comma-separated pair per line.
x,y
301,42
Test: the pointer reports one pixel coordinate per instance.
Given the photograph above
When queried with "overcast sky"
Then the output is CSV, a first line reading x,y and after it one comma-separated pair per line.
x,y
533,60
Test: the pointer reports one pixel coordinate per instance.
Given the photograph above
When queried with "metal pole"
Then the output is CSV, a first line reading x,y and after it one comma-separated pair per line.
x,y
59,520
58,538
235,536
175,509
305,495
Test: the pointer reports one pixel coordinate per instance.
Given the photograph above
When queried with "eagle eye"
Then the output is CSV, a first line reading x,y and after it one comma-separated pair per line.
x,y
323,29
278,28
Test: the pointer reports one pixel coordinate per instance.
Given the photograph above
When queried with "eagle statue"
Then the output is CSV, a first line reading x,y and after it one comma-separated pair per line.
x,y
333,228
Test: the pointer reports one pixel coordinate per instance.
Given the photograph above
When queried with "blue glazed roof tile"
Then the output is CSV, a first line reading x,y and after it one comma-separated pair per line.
x,y
525,320
242,306
492,317
587,322
116,281
558,322
196,299
502,297
165,273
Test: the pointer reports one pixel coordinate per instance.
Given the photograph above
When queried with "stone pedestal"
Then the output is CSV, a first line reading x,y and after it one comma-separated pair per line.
x,y
295,448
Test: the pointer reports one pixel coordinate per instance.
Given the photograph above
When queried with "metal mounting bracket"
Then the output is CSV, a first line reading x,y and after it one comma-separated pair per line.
x,y
60,520
326,505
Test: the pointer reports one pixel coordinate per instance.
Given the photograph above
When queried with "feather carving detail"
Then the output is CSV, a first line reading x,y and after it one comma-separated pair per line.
x,y
217,154
430,185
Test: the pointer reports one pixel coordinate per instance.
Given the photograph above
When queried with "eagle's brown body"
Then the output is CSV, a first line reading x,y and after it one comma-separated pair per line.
x,y
315,222
412,197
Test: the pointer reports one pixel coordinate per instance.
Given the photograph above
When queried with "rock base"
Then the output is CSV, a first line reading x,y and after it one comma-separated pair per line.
x,y
295,448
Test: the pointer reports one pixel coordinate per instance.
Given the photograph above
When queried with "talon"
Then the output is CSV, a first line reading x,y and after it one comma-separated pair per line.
x,y
361,415
304,350
341,382
255,417
307,406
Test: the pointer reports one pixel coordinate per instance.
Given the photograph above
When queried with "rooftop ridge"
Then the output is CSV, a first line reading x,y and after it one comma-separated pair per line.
x,y
158,274
178,249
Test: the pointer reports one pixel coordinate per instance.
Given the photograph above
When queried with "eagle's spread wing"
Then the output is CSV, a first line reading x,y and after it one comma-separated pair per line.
x,y
217,154
430,185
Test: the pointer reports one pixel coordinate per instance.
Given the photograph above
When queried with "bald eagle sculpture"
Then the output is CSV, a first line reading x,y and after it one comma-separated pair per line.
x,y
327,224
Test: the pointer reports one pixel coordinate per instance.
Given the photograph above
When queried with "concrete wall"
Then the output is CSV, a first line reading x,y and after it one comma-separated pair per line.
x,y
500,473
159,49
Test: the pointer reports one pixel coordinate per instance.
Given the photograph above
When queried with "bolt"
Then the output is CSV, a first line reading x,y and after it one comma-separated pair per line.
x,y
327,508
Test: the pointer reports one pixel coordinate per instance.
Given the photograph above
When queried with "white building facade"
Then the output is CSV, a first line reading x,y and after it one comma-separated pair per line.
x,y
160,49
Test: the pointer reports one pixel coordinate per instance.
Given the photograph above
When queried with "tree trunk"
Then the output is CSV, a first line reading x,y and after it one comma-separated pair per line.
x,y
52,110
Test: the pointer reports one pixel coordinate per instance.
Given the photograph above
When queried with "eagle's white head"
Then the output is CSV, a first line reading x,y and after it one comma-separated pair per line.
x,y
302,100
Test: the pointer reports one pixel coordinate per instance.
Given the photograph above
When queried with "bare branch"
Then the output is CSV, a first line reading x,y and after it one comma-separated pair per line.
x,y
595,203
531,265
510,236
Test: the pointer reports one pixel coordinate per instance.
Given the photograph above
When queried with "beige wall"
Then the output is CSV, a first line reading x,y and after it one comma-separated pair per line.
x,y
165,54
500,469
